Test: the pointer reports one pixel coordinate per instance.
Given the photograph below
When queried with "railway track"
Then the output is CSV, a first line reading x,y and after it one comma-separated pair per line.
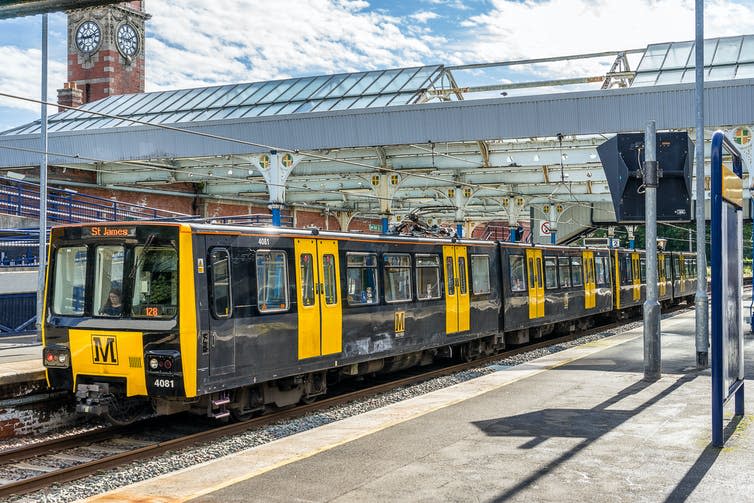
x,y
63,460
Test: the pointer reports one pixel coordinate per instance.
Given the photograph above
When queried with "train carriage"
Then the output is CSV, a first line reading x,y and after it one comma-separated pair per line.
x,y
684,277
550,287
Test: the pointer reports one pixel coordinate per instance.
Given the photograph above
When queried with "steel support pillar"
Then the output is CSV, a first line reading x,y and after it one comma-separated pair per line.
x,y
652,345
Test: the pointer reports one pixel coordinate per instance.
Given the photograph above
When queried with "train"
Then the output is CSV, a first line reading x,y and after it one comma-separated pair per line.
x,y
227,321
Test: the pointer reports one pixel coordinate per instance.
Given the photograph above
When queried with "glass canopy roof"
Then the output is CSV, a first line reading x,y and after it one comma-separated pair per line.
x,y
308,94
725,58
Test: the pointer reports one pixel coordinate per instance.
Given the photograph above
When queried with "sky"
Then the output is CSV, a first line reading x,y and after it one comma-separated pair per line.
x,y
192,43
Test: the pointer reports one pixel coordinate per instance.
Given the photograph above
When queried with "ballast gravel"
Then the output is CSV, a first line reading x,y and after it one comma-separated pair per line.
x,y
173,461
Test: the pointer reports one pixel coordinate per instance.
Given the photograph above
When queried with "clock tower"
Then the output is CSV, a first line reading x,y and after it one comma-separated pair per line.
x,y
105,52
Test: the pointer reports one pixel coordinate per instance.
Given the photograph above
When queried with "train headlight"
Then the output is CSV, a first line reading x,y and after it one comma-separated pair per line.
x,y
154,363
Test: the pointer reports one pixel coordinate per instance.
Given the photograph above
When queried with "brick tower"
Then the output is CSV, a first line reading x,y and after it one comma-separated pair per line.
x,y
105,52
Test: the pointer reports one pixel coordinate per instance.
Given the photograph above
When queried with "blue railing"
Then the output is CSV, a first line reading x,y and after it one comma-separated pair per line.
x,y
18,198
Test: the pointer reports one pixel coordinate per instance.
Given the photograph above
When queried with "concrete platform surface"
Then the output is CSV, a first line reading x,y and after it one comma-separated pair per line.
x,y
20,360
579,425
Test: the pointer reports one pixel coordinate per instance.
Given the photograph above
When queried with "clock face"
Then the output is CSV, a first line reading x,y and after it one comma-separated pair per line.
x,y
88,37
128,41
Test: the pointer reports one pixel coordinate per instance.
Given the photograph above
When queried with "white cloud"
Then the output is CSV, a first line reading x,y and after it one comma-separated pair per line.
x,y
194,42
514,29
424,16
21,75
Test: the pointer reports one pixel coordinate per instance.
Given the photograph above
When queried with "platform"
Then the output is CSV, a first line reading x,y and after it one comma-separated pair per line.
x,y
20,360
578,425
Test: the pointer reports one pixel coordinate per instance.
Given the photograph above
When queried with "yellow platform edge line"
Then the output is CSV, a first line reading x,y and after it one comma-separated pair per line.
x,y
164,490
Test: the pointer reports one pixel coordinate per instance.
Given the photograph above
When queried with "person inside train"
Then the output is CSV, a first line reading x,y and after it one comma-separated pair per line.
x,y
112,306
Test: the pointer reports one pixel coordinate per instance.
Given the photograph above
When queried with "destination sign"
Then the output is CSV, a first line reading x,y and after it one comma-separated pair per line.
x,y
109,232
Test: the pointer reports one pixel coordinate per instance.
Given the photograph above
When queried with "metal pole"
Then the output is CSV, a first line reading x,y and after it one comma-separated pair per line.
x,y
531,224
652,348
42,186
700,301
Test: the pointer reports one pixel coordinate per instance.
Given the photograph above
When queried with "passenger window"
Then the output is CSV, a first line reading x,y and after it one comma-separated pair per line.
x,y
361,278
397,277
643,270
564,271
576,271
600,265
462,275
272,281
450,276
480,274
667,272
551,273
517,273
328,270
307,279
220,266
628,271
539,272
428,277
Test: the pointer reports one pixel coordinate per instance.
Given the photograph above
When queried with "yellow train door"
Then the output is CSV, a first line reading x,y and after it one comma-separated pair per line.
x,y
535,283
457,300
320,326
590,284
636,275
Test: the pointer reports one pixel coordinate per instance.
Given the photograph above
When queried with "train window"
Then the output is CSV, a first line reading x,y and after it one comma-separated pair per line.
x,y
539,272
576,272
564,271
397,275
551,273
272,281
667,269
462,284
306,268
428,277
643,270
328,271
480,274
361,278
219,260
600,269
108,280
627,274
518,274
155,293
70,281
531,274
677,267
450,276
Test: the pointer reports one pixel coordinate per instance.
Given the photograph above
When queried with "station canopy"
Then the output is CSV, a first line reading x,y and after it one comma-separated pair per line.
x,y
436,135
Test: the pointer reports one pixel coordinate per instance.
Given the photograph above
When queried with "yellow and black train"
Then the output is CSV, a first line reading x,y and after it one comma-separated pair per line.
x,y
144,318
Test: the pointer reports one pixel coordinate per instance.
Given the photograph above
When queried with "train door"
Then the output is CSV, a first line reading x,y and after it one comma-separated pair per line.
x,y
457,300
636,276
590,284
222,340
536,286
320,326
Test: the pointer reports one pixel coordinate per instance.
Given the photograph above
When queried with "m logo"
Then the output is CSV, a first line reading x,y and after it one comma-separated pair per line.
x,y
400,323
104,350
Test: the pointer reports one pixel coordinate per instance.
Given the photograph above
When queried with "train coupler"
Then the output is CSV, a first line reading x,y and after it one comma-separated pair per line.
x,y
93,398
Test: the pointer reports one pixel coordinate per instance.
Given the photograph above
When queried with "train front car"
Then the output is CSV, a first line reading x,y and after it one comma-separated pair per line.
x,y
112,331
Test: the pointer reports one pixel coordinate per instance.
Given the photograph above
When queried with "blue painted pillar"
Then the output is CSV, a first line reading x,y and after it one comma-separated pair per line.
x,y
385,225
459,230
276,216
512,236
553,237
